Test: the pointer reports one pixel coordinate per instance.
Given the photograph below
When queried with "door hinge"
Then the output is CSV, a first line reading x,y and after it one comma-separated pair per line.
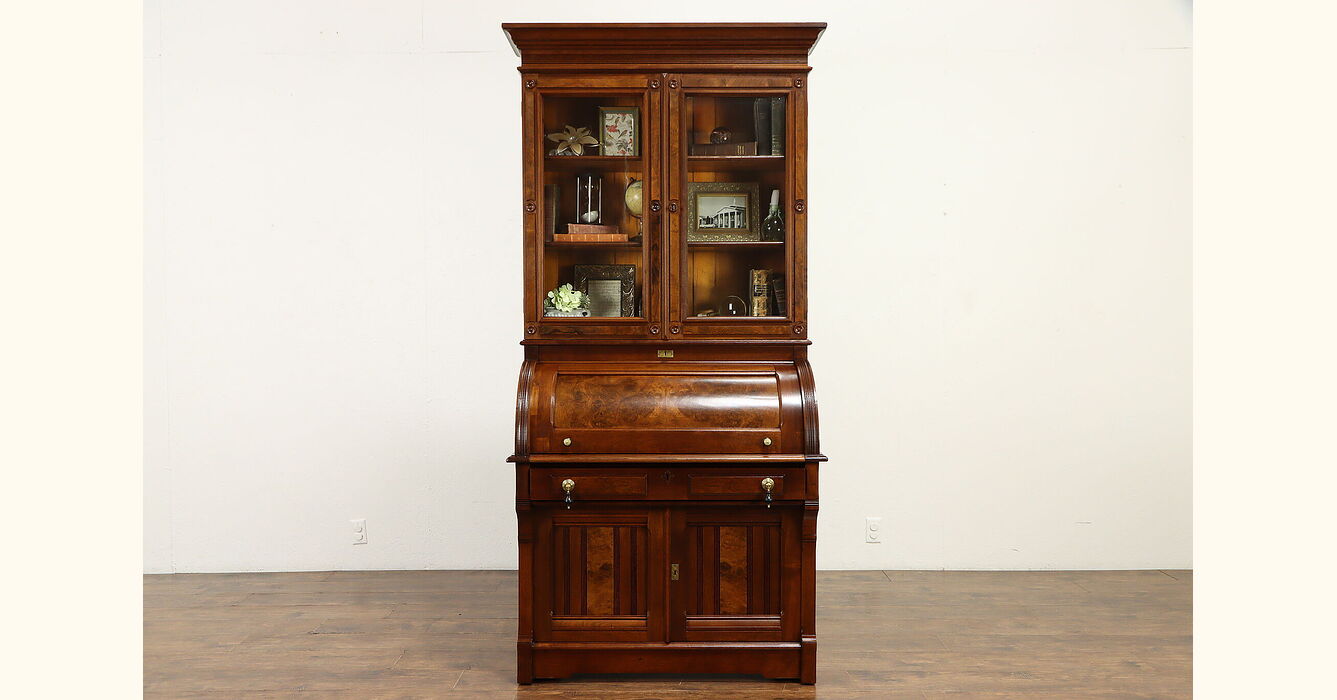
x,y
673,572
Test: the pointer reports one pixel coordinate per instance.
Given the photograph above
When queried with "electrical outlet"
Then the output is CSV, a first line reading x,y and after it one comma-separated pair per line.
x,y
872,530
359,531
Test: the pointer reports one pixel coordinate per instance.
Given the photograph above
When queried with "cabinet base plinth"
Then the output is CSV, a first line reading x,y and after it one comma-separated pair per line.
x,y
776,660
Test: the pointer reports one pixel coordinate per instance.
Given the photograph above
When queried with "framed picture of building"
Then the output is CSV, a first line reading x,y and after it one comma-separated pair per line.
x,y
722,211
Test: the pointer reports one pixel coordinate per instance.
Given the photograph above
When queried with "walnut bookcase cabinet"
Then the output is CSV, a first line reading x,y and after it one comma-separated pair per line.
x,y
666,457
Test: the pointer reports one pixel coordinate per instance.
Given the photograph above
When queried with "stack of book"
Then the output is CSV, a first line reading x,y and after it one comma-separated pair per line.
x,y
590,233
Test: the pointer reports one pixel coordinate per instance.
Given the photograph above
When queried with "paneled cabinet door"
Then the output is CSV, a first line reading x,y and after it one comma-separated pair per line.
x,y
737,574
599,574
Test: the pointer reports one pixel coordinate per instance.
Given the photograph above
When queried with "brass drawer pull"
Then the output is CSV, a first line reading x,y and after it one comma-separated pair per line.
x,y
568,486
768,485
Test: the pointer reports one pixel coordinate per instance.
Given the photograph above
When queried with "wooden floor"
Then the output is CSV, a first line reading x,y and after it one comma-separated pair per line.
x,y
892,634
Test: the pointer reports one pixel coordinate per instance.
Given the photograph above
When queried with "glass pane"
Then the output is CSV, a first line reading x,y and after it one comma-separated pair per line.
x,y
593,175
736,238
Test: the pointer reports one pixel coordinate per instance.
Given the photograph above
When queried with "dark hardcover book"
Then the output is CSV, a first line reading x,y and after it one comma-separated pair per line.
x,y
760,289
777,126
551,198
778,299
745,148
761,124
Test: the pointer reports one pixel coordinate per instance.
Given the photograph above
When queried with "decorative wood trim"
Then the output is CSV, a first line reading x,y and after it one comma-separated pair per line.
x,y
808,389
779,45
522,394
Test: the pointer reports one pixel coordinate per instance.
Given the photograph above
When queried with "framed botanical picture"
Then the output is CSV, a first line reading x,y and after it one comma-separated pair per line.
x,y
723,211
620,131
612,288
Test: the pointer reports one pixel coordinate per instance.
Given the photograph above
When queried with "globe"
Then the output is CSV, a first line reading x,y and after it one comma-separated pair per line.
x,y
632,197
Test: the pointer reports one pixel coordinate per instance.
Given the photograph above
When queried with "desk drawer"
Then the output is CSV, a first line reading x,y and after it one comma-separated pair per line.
x,y
667,483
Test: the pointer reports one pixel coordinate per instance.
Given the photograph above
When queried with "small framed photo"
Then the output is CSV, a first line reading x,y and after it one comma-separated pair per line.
x,y
612,288
722,211
620,131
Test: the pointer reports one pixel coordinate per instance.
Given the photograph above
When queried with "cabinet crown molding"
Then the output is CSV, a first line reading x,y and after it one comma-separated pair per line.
x,y
768,46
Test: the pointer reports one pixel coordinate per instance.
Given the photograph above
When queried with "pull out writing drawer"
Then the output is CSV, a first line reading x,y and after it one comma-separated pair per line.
x,y
666,483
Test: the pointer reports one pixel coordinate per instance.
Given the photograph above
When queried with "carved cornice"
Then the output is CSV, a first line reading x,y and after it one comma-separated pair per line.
x,y
774,46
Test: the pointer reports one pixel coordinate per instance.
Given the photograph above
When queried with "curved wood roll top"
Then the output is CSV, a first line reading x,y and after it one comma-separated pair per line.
x,y
678,408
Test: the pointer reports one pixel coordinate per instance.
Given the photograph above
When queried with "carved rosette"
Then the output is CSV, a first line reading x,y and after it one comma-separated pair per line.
x,y
799,206
530,206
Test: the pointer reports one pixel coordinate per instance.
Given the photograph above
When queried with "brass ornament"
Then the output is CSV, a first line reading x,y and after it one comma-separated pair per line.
x,y
573,139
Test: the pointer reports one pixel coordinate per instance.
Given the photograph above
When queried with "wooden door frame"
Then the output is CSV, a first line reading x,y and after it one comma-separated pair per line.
x,y
592,627
789,558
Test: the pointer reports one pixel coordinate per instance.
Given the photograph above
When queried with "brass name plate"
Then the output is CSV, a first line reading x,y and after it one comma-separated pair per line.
x,y
666,353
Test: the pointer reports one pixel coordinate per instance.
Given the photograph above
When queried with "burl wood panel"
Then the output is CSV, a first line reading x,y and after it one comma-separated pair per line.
x,y
599,570
735,569
666,400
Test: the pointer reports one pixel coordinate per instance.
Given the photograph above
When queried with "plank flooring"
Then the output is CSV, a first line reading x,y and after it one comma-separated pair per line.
x,y
881,634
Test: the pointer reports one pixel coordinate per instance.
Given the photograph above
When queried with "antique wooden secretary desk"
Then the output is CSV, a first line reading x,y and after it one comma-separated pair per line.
x,y
666,423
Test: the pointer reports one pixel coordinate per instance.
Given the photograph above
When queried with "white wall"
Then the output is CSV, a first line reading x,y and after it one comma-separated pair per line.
x,y
1000,268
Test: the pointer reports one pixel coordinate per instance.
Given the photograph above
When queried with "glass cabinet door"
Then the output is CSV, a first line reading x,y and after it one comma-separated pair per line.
x,y
733,165
594,144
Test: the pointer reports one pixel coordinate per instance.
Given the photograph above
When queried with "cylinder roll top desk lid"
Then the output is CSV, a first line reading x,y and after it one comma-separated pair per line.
x,y
666,444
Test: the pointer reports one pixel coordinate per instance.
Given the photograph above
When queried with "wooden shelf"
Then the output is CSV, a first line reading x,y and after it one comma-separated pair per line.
x,y
717,245
593,244
715,163
737,319
575,163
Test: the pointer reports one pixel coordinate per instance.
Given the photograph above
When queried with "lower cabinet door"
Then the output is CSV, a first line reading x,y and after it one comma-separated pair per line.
x,y
737,574
599,574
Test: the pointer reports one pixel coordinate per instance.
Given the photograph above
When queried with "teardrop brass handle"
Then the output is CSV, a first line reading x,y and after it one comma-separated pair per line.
x,y
568,486
766,442
566,441
768,485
